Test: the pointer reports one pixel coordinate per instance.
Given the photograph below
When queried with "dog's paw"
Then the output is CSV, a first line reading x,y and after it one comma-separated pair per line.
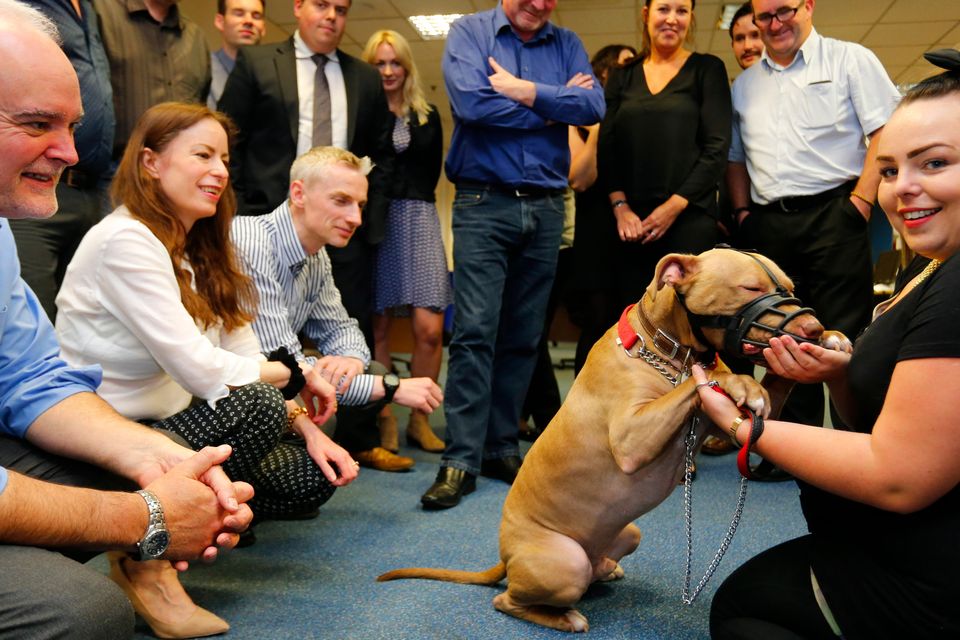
x,y
577,621
836,341
744,390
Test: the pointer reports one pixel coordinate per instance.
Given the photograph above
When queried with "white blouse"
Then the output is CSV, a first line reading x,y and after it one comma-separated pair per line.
x,y
120,307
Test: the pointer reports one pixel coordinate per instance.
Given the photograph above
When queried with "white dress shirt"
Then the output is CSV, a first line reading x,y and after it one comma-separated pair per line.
x,y
801,129
120,307
306,72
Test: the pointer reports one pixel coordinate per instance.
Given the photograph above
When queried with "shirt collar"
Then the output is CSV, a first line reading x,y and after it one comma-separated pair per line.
x,y
500,22
808,52
225,60
289,249
172,21
301,50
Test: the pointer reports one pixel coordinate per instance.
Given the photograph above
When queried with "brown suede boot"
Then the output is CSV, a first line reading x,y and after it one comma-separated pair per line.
x,y
389,438
420,433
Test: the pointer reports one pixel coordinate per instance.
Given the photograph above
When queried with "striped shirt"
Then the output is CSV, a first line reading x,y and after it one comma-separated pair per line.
x,y
297,293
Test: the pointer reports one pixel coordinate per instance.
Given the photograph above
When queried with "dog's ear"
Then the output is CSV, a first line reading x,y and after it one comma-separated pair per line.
x,y
676,268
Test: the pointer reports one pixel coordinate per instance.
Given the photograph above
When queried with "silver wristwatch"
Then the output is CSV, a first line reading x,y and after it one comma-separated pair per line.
x,y
155,541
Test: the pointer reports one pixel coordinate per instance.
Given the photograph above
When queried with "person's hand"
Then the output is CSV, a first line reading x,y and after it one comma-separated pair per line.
x,y
629,225
325,451
196,518
721,409
660,219
510,86
862,207
339,370
319,396
422,394
582,80
804,362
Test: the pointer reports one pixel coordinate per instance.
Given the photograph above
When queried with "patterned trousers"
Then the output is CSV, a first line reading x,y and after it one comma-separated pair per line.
x,y
251,420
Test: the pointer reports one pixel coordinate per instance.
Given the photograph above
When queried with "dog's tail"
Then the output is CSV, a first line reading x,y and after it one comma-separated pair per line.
x,y
490,577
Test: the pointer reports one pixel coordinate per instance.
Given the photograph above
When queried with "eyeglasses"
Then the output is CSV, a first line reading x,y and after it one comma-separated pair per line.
x,y
783,14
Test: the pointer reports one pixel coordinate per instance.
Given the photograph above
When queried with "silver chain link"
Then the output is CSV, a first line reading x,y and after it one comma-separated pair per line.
x,y
685,595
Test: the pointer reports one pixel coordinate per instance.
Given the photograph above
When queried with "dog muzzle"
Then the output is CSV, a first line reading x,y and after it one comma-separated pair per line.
x,y
737,327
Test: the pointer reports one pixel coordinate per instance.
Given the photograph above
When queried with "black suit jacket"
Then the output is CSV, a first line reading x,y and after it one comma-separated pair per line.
x,y
261,98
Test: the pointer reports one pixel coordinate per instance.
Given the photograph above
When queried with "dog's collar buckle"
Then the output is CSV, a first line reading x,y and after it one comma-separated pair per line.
x,y
667,344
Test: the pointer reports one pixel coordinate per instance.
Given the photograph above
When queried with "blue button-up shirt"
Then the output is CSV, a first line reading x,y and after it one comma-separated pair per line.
x,y
33,378
82,44
497,140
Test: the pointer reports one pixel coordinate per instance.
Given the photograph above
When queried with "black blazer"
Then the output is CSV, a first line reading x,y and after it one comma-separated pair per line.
x,y
417,170
261,98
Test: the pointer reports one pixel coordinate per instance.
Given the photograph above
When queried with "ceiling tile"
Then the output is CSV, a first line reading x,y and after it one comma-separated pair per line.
x,y
952,39
429,7
370,9
361,30
907,10
898,56
848,32
835,12
597,22
905,33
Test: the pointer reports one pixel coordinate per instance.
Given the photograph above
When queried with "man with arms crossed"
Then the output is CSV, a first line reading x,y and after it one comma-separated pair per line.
x,y
54,431
515,82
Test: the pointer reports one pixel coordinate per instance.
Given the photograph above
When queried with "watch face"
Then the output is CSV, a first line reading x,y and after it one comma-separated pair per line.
x,y
391,380
155,544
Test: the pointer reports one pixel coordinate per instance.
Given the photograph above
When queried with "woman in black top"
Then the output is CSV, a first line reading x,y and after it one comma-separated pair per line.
x,y
881,497
663,146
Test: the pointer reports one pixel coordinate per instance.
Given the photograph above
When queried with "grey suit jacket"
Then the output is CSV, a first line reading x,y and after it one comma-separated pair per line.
x,y
261,97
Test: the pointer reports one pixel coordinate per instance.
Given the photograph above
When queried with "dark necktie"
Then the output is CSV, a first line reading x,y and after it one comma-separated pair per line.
x,y
322,131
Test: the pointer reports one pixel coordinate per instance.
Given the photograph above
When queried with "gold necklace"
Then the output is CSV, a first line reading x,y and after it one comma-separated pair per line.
x,y
932,266
884,306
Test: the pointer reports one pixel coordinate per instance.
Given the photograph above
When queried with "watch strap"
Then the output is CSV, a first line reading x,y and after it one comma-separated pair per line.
x,y
390,388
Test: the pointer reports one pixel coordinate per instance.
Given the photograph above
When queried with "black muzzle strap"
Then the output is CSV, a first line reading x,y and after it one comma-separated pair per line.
x,y
736,327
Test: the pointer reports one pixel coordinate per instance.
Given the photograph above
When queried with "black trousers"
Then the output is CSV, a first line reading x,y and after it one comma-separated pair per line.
x,y
353,274
825,249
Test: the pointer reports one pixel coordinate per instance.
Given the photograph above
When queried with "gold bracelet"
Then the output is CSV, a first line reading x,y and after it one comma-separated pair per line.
x,y
864,198
293,415
733,431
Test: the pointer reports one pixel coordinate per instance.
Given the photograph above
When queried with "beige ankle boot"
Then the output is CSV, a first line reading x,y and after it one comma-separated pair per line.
x,y
420,433
389,438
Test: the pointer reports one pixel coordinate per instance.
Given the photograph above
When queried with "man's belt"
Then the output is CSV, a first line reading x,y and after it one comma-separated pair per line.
x,y
799,203
78,179
520,191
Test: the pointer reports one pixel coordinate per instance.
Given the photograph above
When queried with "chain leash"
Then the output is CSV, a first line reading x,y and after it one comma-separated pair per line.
x,y
685,595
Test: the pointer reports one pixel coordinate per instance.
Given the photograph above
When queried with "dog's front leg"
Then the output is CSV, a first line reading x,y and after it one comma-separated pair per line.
x,y
640,431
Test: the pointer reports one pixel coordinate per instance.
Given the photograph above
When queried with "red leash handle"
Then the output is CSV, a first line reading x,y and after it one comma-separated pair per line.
x,y
756,430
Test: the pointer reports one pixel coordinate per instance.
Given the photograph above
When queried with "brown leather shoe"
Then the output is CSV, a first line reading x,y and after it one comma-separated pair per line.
x,y
382,460
714,446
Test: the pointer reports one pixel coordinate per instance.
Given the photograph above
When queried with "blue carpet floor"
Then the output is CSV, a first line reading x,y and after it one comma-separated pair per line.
x,y
316,579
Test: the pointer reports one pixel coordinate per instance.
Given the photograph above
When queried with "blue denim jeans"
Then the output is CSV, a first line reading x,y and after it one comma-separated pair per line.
x,y
505,256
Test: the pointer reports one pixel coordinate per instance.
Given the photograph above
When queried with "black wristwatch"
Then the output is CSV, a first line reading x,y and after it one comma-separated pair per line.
x,y
155,541
391,382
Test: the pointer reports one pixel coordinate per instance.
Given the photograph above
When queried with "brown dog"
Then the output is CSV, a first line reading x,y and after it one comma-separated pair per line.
x,y
616,448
